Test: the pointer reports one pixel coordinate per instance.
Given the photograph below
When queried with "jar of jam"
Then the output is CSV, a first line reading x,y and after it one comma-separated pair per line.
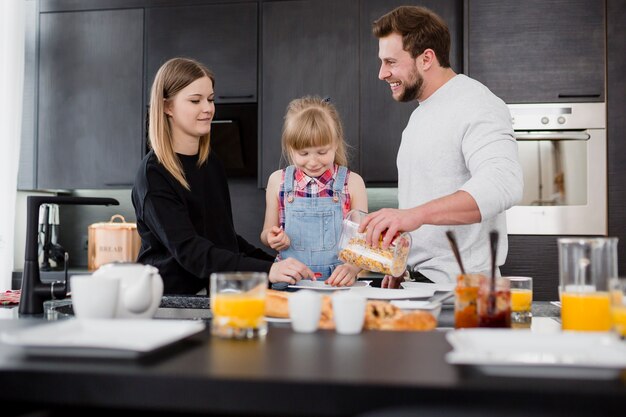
x,y
494,309
466,300
354,250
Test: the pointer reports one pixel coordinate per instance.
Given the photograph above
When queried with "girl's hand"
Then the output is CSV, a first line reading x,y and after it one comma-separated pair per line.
x,y
277,239
290,270
343,276
392,282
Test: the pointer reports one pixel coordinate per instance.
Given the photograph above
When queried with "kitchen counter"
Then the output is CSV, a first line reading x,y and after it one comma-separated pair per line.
x,y
321,374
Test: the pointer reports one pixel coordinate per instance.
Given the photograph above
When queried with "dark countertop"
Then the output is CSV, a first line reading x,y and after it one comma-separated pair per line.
x,y
321,374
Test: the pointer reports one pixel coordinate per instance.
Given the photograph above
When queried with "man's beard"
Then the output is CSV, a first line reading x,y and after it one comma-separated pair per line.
x,y
413,90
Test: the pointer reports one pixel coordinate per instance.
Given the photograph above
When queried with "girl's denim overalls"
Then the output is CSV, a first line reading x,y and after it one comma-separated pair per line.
x,y
313,225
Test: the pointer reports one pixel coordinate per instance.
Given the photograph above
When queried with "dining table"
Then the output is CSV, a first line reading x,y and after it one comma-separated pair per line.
x,y
374,373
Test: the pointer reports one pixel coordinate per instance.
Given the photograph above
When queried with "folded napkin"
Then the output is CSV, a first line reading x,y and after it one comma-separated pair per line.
x,y
10,297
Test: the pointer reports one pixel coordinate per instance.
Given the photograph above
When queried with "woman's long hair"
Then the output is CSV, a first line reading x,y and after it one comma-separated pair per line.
x,y
173,76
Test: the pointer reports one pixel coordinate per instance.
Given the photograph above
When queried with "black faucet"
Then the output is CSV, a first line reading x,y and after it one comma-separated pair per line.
x,y
34,292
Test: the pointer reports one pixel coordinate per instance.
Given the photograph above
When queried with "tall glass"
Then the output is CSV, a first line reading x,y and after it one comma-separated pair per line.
x,y
618,305
521,300
238,304
585,267
494,308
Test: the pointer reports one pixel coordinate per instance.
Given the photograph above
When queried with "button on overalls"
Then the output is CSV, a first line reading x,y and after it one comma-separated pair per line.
x,y
313,225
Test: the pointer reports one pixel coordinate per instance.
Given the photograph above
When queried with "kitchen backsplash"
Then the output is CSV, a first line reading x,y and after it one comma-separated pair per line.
x,y
248,200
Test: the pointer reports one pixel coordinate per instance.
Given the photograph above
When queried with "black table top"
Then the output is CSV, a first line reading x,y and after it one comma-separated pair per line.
x,y
293,374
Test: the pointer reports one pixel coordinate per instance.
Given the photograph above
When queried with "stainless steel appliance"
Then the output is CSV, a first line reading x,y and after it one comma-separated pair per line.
x,y
562,149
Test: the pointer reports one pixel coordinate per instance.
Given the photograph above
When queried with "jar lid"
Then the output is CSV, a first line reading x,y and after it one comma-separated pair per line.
x,y
111,224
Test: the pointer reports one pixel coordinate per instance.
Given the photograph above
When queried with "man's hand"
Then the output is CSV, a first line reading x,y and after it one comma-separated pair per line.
x,y
392,282
390,221
343,276
277,239
290,270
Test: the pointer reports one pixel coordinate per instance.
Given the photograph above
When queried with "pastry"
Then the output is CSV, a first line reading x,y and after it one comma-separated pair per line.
x,y
277,304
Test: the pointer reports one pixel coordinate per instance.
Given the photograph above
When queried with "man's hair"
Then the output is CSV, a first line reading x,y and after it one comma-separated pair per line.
x,y
420,29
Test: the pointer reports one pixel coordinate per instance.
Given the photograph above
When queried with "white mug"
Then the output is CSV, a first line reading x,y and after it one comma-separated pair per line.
x,y
94,297
305,309
349,312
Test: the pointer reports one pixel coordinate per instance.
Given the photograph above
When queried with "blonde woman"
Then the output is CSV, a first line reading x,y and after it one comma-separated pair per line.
x,y
307,201
181,195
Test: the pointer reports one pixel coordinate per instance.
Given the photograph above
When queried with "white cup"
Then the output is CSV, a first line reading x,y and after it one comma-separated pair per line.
x,y
305,309
94,297
349,312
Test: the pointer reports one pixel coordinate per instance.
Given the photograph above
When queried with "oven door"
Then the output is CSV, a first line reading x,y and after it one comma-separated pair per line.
x,y
565,186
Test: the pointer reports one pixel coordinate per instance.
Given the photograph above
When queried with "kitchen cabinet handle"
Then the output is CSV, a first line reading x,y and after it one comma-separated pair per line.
x,y
595,95
234,97
221,121
118,184
551,135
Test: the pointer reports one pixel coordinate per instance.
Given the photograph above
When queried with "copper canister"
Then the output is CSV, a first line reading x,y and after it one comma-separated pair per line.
x,y
112,242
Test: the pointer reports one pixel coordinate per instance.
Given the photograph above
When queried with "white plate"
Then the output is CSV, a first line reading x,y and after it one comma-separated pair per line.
x,y
444,286
524,353
320,285
277,320
392,294
125,339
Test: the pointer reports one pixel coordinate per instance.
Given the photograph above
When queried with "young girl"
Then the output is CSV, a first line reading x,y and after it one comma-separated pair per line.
x,y
307,201
181,196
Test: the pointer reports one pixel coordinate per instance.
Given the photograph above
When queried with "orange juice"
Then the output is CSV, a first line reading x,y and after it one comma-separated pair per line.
x,y
586,311
619,319
238,311
521,299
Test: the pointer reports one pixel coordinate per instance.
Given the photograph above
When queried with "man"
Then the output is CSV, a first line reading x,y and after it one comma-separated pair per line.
x,y
457,164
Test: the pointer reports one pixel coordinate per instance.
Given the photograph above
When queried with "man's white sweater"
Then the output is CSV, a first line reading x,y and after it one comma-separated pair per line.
x,y
459,138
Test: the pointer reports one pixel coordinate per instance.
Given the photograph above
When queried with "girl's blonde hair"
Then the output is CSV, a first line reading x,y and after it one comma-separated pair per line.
x,y
173,76
313,121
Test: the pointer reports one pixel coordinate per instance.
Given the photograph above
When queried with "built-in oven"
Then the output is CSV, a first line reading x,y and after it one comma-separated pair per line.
x,y
562,149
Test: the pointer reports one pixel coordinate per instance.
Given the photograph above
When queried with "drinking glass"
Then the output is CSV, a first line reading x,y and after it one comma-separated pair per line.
x,y
238,304
521,299
585,267
618,305
465,300
494,308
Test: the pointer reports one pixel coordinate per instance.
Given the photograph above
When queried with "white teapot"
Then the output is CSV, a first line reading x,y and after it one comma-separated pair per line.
x,y
140,288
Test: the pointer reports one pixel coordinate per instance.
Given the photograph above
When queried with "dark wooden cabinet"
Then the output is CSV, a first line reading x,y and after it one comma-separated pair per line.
x,y
309,48
89,99
616,124
535,51
382,118
327,48
221,36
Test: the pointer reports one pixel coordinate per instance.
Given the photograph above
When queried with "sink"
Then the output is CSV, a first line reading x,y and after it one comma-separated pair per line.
x,y
175,307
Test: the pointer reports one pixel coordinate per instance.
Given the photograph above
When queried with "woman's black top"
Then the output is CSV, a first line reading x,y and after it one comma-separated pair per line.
x,y
188,234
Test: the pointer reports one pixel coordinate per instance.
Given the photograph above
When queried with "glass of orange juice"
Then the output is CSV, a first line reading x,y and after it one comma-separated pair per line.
x,y
618,305
521,299
586,266
238,304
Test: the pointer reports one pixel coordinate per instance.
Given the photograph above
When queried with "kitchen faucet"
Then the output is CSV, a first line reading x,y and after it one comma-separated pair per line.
x,y
35,292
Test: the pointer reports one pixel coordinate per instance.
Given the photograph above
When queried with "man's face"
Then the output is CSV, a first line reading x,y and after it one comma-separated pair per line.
x,y
399,69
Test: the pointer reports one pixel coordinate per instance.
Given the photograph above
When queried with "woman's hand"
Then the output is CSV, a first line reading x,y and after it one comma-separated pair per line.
x,y
343,276
290,271
277,239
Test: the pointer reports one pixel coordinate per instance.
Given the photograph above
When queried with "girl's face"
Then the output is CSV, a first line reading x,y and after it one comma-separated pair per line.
x,y
316,160
191,110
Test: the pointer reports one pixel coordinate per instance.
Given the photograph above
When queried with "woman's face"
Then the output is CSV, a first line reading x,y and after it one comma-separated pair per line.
x,y
191,110
316,160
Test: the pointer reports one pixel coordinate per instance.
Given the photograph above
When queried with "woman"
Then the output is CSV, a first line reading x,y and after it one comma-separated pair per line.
x,y
181,196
